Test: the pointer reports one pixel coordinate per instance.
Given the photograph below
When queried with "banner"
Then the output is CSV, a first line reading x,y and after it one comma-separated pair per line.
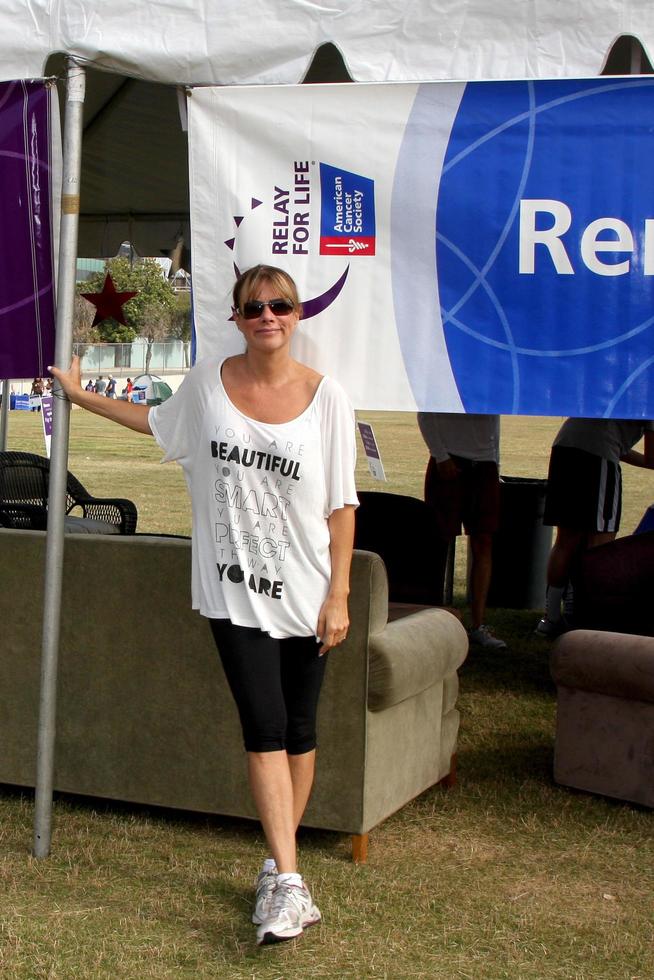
x,y
47,403
480,247
27,302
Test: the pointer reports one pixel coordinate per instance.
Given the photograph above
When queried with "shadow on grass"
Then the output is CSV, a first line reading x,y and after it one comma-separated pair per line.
x,y
320,842
507,670
508,760
521,668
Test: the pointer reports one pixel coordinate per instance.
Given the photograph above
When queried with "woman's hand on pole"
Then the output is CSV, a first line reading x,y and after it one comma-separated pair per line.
x,y
70,380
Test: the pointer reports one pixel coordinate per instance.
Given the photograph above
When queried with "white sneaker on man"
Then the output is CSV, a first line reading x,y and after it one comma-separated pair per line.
x,y
483,637
265,886
550,628
291,911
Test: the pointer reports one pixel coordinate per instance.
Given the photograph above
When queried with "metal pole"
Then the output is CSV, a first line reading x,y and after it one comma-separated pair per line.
x,y
4,415
72,159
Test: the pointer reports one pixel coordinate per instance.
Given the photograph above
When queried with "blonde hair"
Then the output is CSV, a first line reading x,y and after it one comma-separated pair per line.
x,y
248,283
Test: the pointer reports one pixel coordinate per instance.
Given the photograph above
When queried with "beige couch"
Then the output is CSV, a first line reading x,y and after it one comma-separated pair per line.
x,y
605,714
144,713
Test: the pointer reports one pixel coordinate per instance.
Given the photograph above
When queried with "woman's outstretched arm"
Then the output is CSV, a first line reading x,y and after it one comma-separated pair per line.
x,y
124,413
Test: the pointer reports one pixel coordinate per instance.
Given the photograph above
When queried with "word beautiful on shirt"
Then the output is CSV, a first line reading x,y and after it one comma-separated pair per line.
x,y
264,544
257,459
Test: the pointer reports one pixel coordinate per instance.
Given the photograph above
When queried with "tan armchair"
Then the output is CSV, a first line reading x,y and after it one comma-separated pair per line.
x,y
605,713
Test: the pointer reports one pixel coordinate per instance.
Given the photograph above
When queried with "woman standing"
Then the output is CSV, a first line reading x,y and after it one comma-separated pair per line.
x,y
267,446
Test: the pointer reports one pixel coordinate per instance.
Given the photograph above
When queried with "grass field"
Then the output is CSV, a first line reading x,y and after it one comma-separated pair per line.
x,y
506,875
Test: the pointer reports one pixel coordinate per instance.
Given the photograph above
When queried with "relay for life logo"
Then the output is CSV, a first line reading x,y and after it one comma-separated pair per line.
x,y
347,222
347,215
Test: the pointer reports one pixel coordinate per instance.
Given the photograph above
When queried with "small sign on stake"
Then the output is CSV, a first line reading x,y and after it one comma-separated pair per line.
x,y
46,415
371,449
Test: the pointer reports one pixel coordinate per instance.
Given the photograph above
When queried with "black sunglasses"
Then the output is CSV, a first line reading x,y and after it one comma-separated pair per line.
x,y
254,308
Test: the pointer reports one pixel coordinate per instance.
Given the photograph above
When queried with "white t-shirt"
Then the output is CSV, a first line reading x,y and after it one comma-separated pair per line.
x,y
261,494
609,438
470,436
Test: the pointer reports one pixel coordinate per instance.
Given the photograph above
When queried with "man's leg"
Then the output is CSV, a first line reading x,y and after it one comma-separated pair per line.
x,y
481,519
567,545
481,548
583,492
599,537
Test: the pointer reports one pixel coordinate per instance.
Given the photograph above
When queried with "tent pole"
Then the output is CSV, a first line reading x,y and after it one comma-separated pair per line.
x,y
4,415
72,159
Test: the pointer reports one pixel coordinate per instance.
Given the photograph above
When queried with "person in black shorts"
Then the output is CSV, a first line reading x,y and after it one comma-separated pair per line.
x,y
462,488
584,497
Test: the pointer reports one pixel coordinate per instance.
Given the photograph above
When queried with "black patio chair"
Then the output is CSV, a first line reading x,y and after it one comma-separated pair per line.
x,y
24,482
402,531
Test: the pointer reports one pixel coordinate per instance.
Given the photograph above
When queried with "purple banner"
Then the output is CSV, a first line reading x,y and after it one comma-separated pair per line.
x,y
27,314
46,404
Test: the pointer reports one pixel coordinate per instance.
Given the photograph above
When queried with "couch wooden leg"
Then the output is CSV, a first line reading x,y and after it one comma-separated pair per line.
x,y
447,782
359,848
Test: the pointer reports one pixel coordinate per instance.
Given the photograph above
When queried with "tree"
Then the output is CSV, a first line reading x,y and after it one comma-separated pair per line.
x,y
83,332
181,321
155,297
157,322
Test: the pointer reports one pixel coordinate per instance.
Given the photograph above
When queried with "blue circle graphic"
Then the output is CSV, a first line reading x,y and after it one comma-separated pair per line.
x,y
565,338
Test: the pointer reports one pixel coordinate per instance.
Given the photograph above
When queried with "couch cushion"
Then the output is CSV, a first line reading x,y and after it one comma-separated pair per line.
x,y
88,525
413,653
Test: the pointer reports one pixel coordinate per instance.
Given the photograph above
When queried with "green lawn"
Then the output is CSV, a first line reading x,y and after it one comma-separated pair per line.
x,y
506,875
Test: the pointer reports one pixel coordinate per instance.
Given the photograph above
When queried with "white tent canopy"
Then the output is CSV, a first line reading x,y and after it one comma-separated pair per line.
x,y
230,42
135,171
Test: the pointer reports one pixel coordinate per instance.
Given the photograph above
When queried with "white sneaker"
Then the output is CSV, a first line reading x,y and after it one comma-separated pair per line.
x,y
265,886
291,911
483,637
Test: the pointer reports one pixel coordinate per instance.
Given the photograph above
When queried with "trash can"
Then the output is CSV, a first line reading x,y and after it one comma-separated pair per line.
x,y
521,546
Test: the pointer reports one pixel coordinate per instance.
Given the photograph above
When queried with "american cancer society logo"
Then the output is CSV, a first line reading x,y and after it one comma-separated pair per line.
x,y
347,213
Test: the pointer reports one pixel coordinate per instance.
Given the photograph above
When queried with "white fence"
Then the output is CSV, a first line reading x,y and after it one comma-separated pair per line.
x,y
170,357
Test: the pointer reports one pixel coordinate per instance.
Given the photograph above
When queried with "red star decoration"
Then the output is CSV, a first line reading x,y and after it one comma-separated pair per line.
x,y
109,304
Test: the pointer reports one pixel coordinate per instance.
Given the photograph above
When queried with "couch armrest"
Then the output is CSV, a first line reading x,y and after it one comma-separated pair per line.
x,y
413,653
368,591
618,664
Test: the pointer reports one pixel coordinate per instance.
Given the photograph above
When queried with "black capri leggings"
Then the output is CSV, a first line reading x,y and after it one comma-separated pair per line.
x,y
275,683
